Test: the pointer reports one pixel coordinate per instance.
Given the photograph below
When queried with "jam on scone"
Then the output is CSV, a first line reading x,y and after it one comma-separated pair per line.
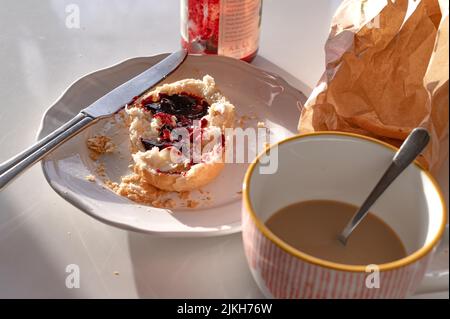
x,y
153,120
174,111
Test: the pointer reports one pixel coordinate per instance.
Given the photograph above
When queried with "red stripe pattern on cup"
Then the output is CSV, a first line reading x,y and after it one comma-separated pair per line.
x,y
282,275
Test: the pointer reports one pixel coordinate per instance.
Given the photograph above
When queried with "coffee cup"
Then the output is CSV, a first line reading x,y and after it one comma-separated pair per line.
x,y
341,167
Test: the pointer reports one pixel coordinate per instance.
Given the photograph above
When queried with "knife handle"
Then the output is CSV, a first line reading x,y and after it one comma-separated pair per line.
x,y
19,163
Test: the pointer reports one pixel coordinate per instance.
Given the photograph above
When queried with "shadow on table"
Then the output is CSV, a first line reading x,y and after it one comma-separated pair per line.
x,y
210,267
26,268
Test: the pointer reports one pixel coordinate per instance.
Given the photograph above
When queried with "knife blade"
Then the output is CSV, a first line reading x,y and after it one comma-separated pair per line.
x,y
117,98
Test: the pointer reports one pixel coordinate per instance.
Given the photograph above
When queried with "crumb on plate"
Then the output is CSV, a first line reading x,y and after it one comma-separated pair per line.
x,y
100,170
99,145
192,203
166,203
90,178
184,195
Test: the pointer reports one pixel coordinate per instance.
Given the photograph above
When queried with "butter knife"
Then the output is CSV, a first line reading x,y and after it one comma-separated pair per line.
x,y
105,106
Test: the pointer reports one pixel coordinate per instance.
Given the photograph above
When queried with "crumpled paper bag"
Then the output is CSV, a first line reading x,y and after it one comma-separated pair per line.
x,y
386,73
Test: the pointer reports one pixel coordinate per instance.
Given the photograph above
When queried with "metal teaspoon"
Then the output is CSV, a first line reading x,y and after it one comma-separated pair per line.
x,y
414,144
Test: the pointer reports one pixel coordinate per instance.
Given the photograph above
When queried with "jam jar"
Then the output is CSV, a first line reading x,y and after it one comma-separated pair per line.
x,y
223,27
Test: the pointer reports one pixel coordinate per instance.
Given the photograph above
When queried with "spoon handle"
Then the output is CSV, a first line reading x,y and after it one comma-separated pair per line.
x,y
410,149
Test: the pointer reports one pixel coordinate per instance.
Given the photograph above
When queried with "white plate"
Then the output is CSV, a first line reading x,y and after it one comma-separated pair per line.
x,y
254,92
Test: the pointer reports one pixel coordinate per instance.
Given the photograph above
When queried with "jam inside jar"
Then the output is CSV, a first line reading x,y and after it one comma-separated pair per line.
x,y
223,27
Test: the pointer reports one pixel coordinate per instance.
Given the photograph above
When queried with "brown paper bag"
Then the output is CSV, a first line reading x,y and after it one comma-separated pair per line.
x,y
386,73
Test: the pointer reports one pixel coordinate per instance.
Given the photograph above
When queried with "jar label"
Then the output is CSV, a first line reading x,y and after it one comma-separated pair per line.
x,y
239,25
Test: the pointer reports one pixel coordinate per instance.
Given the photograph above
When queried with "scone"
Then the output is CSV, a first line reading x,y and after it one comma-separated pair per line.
x,y
177,134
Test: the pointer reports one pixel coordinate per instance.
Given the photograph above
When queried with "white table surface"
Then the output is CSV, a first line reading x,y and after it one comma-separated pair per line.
x,y
40,233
